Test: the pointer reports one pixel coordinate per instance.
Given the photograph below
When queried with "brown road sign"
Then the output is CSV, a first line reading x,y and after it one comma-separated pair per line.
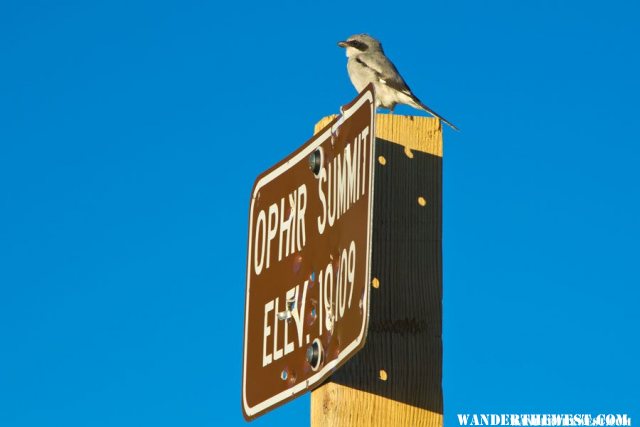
x,y
308,261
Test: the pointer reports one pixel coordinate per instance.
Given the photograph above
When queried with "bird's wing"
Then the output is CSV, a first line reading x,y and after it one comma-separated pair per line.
x,y
386,72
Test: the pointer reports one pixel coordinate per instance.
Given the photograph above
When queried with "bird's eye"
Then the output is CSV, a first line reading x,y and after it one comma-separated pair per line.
x,y
358,45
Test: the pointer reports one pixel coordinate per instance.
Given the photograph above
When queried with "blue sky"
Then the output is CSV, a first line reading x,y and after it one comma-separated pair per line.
x,y
130,136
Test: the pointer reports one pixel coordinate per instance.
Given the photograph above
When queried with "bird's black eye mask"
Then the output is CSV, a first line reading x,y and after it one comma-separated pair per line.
x,y
358,45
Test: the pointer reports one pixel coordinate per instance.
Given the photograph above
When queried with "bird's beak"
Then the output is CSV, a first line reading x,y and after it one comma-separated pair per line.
x,y
343,44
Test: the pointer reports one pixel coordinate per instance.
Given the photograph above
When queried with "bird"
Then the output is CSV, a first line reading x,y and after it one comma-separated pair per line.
x,y
367,63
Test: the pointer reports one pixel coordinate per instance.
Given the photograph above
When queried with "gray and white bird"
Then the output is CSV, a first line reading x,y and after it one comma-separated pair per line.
x,y
367,63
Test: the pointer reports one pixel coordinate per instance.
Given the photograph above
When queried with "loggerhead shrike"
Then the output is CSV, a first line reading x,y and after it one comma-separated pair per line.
x,y
367,63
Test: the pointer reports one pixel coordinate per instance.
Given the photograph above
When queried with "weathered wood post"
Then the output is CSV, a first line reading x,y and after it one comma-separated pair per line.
x,y
395,380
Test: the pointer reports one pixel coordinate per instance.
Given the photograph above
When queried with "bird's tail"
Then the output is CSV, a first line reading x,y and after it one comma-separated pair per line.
x,y
420,105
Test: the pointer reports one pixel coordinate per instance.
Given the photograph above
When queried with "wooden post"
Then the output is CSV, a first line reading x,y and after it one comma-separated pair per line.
x,y
395,380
